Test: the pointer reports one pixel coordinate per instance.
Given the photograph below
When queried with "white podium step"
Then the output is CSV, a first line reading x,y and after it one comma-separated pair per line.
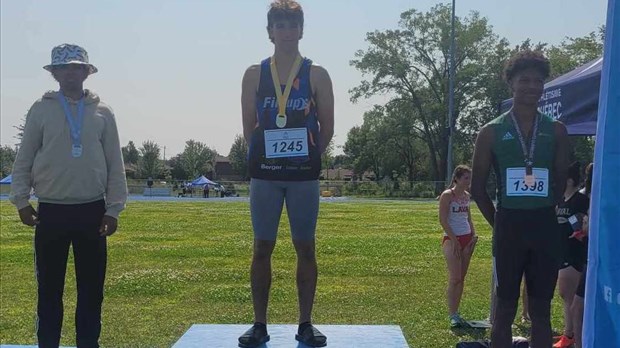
x,y
283,336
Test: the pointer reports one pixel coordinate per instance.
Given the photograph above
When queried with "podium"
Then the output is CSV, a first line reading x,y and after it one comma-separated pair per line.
x,y
283,336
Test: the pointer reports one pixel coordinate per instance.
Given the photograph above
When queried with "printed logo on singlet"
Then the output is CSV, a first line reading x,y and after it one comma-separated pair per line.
x,y
270,167
562,211
508,136
296,104
460,209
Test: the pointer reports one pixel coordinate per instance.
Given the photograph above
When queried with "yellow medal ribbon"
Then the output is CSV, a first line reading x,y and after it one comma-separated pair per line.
x,y
283,97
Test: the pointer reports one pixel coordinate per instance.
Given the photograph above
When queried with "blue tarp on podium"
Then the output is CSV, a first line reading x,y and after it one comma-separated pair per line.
x,y
602,303
283,336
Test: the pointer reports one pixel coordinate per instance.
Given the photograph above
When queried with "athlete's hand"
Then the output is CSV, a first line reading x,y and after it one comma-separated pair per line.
x,y
456,247
108,226
472,244
578,235
29,216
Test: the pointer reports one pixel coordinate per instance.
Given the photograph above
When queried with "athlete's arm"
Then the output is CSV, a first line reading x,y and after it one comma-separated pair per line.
x,y
481,169
444,211
560,170
249,87
324,97
585,225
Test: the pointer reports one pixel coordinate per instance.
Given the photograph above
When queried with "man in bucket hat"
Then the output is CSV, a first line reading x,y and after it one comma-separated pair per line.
x,y
70,154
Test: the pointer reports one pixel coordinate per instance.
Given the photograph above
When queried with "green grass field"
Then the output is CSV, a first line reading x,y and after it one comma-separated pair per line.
x,y
175,264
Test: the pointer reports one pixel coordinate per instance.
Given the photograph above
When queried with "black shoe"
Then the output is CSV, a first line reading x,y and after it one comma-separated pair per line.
x,y
312,337
254,337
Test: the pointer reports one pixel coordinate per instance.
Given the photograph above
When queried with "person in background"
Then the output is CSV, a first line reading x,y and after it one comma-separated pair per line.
x,y
578,300
570,212
459,238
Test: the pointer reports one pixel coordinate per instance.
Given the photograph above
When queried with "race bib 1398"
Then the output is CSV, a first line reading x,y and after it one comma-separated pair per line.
x,y
516,185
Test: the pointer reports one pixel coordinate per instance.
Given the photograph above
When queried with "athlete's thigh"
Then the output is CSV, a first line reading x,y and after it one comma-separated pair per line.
x,y
545,257
266,201
302,206
509,253
568,280
453,262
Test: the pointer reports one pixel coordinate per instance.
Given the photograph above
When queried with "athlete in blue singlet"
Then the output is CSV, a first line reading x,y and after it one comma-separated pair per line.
x,y
288,120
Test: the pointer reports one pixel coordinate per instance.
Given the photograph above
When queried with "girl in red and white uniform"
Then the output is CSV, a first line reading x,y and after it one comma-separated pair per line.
x,y
459,238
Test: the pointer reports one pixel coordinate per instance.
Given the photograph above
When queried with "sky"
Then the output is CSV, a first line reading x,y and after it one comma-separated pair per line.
x,y
171,70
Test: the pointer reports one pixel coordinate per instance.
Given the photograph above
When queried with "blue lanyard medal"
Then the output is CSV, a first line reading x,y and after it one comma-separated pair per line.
x,y
75,124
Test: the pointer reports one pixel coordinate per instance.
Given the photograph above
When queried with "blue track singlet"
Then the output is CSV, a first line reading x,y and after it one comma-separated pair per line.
x,y
290,153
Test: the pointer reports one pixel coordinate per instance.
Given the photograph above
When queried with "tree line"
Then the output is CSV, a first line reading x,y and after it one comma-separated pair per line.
x,y
405,139
196,159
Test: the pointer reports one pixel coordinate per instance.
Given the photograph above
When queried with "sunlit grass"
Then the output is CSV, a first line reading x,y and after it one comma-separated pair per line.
x,y
175,264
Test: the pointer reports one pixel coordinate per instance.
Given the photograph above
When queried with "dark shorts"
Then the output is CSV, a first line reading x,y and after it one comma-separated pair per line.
x,y
526,241
574,253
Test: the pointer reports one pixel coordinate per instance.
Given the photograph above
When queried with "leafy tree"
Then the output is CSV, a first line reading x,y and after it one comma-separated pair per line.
x,y
197,158
20,129
130,153
238,156
369,147
327,157
573,52
150,165
7,157
363,148
387,144
176,169
341,161
411,66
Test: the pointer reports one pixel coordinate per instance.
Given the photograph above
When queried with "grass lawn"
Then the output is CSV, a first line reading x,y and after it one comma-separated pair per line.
x,y
174,264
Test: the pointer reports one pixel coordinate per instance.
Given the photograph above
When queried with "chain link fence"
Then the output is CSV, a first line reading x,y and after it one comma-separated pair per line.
x,y
335,188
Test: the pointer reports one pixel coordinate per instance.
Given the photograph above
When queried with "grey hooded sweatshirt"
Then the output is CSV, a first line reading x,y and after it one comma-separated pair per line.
x,y
44,160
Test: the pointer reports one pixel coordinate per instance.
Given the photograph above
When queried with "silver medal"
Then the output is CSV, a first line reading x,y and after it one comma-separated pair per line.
x,y
76,151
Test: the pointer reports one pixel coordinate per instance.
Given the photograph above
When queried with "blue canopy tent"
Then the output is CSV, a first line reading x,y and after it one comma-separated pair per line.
x,y
572,98
7,180
202,180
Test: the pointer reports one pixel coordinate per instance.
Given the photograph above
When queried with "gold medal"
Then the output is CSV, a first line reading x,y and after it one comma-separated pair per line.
x,y
282,97
281,120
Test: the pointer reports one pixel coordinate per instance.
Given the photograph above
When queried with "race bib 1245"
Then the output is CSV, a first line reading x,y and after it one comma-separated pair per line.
x,y
289,142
